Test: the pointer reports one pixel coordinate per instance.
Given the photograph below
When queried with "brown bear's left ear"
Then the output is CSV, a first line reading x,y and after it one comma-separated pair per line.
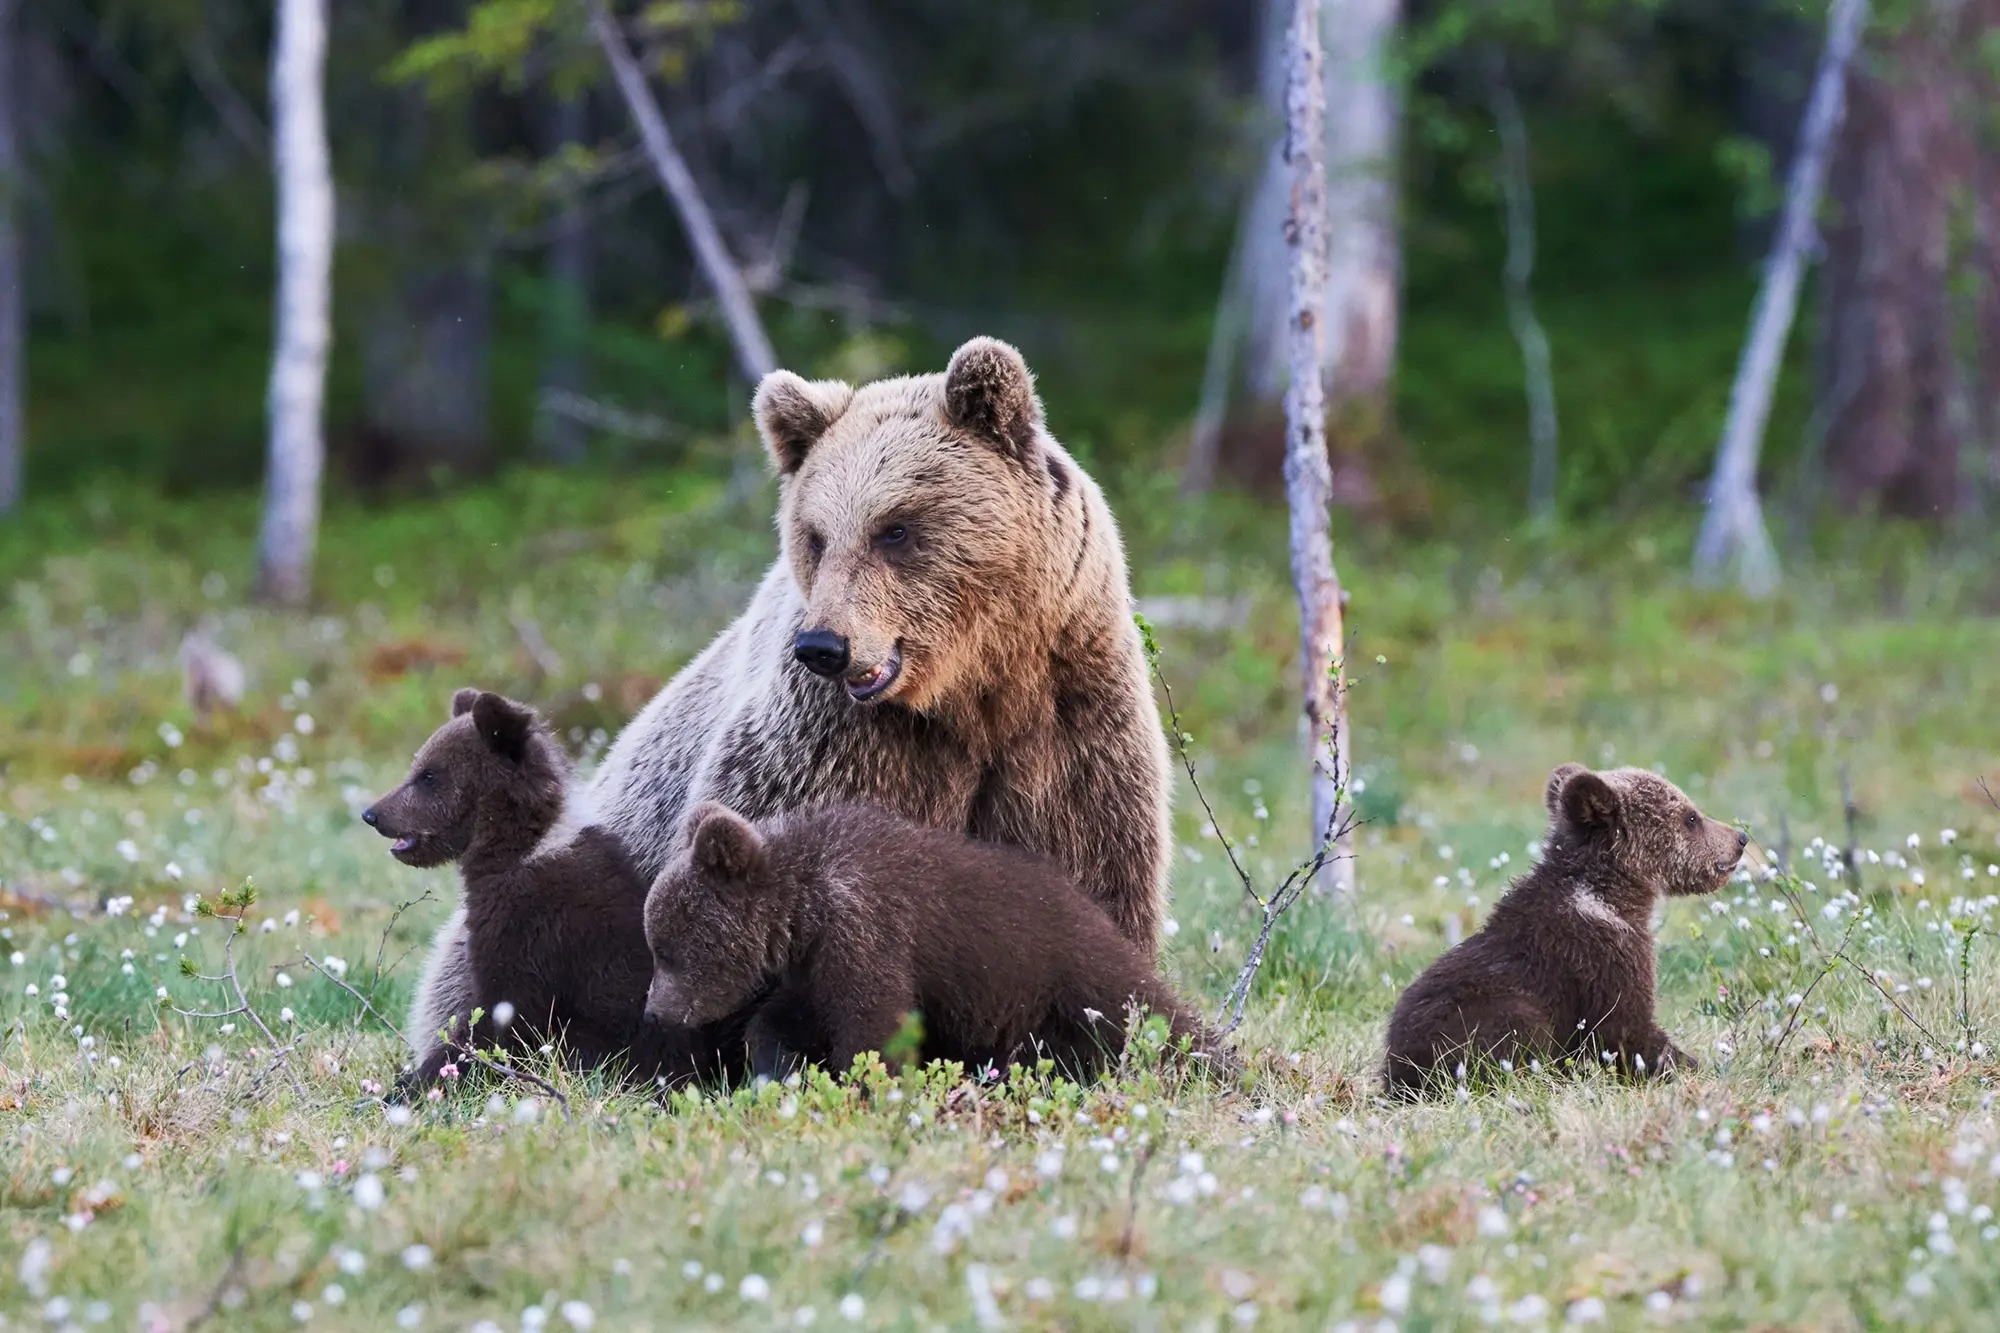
x,y
461,703
725,844
1590,803
989,393
1563,773
503,724
792,414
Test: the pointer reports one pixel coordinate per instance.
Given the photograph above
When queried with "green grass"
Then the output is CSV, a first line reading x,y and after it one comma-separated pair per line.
x,y
1842,1177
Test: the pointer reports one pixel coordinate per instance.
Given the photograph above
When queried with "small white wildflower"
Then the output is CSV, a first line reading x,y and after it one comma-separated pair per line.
x,y
1589,1310
754,1288
416,1258
852,1307
577,1314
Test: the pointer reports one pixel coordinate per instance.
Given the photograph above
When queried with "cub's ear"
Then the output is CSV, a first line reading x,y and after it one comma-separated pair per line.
x,y
1590,803
988,392
725,845
1563,773
461,703
503,724
792,414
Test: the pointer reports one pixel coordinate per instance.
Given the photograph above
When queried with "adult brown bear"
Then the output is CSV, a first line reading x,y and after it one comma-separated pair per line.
x,y
947,632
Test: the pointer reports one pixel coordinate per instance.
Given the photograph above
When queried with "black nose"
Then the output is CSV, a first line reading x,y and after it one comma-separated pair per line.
x,y
368,816
821,652
1742,840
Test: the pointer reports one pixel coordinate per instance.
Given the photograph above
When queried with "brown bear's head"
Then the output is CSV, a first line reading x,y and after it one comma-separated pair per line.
x,y
1645,825
492,764
715,921
920,519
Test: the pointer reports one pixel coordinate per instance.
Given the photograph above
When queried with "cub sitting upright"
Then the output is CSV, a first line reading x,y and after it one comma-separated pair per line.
x,y
858,918
1564,968
553,909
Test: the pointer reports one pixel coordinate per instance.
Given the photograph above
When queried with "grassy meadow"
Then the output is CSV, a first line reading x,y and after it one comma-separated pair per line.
x,y
1834,1165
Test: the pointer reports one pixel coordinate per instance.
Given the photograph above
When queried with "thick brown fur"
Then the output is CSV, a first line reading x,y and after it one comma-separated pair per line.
x,y
552,912
1564,968
856,918
1022,712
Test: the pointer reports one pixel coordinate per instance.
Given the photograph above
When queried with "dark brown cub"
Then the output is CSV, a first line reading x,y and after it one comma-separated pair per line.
x,y
859,918
553,907
1564,968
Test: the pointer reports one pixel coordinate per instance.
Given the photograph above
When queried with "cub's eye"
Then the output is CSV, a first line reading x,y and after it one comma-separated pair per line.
x,y
427,777
1691,820
893,535
816,544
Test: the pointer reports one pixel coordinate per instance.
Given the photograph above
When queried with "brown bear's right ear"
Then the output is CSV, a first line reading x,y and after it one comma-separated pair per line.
x,y
989,392
792,414
725,845
1590,803
1563,773
461,703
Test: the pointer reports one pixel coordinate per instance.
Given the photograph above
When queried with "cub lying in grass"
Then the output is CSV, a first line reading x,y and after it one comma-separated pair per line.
x,y
1564,968
860,918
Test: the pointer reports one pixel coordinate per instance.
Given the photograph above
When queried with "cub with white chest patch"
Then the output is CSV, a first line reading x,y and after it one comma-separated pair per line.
x,y
1564,968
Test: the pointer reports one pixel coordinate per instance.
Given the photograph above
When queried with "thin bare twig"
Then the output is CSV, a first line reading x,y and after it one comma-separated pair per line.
x,y
1894,1003
241,900
1340,824
1129,1236
506,1070
1849,854
366,1003
230,1270
382,946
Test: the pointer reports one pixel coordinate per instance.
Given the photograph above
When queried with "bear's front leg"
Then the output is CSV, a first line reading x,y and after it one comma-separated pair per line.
x,y
859,1011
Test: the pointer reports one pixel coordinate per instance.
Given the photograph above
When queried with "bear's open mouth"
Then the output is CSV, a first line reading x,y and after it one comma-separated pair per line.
x,y
407,846
877,680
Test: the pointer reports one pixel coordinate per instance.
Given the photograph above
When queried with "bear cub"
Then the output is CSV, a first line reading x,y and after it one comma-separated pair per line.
x,y
851,918
553,907
1563,970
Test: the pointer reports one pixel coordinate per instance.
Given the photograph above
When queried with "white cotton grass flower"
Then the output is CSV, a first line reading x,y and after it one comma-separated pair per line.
x,y
754,1287
578,1314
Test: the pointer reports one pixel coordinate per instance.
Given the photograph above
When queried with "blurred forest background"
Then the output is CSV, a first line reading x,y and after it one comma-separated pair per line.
x,y
511,285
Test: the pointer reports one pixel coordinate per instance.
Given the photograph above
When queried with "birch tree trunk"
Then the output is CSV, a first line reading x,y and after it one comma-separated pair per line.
x,y
1364,274
560,437
1363,269
1732,531
303,322
13,299
1308,473
725,278
1518,194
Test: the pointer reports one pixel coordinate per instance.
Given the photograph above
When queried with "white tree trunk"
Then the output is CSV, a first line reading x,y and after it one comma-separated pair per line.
x,y
1518,191
1733,528
1364,257
304,326
1308,473
725,278
13,300
561,438
1363,272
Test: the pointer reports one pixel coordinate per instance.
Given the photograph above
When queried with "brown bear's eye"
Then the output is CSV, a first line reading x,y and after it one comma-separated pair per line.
x,y
893,535
815,544
1691,819
427,778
